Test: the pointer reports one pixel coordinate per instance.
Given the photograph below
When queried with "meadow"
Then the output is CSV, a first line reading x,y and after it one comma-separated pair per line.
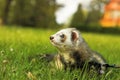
x,y
18,44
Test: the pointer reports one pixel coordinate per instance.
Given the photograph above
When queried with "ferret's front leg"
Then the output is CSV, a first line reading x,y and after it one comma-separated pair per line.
x,y
58,63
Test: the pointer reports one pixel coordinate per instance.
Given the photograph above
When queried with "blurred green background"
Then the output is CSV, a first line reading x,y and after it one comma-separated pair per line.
x,y
42,14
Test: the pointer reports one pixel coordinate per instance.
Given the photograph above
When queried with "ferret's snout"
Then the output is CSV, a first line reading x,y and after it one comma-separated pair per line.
x,y
51,37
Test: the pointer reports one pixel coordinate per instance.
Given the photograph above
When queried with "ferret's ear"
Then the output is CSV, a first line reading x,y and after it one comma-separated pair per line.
x,y
74,36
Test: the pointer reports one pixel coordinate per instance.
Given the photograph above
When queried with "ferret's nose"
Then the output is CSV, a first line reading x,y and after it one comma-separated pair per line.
x,y
51,37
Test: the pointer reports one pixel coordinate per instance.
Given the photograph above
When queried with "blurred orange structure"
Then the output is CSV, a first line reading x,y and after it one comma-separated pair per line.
x,y
111,17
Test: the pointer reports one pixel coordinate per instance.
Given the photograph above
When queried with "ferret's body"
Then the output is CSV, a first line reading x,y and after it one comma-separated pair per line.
x,y
77,58
74,51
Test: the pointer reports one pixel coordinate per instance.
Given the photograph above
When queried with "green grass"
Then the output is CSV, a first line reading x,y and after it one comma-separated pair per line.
x,y
17,44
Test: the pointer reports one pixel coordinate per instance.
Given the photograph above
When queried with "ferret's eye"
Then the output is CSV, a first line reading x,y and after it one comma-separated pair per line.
x,y
62,36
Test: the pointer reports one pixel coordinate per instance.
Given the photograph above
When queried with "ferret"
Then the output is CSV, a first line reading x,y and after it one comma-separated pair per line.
x,y
74,53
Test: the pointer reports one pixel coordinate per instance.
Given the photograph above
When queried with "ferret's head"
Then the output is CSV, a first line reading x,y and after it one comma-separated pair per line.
x,y
66,38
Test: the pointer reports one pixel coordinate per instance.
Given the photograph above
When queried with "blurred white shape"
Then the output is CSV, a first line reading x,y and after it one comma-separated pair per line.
x,y
68,9
11,49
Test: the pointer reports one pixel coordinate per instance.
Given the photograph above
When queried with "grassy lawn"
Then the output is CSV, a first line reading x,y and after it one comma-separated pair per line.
x,y
18,44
